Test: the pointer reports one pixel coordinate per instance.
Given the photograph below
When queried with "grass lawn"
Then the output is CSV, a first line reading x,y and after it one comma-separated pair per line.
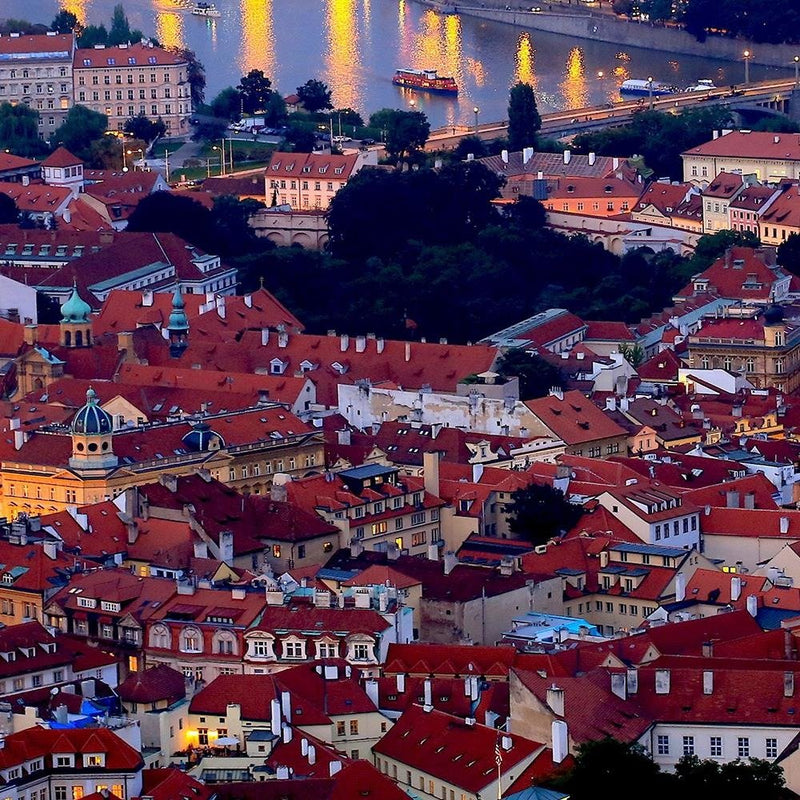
x,y
166,145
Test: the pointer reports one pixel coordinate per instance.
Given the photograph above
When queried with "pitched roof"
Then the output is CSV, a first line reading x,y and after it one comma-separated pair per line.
x,y
449,659
750,144
27,46
310,165
573,418
153,685
174,784
61,157
141,55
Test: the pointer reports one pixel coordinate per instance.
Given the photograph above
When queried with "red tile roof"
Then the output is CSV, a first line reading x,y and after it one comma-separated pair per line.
x,y
310,165
123,56
36,197
758,523
574,419
447,748
8,161
153,685
174,784
750,144
37,43
608,332
724,185
61,157
449,660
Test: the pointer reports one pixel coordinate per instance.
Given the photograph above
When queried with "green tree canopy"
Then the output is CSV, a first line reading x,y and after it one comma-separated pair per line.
x,y
64,22
19,130
524,121
301,136
178,214
275,112
254,90
9,213
540,512
11,25
120,31
404,132
228,104
735,780
144,128
536,376
712,246
195,74
789,253
79,129
315,95
93,35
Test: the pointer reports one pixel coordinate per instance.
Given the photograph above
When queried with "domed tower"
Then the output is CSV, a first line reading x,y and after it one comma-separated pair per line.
x,y
91,437
201,438
76,325
178,325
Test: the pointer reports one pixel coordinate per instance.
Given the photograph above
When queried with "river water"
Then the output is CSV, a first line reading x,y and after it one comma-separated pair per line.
x,y
355,46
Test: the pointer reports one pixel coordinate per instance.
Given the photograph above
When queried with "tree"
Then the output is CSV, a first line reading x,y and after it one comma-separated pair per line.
x,y
523,117
232,231
19,130
195,74
301,136
405,132
9,213
64,22
608,768
254,90
536,376
789,253
228,104
142,127
712,246
275,112
348,116
469,145
120,31
735,780
11,25
632,353
79,129
93,35
540,512
315,95
178,214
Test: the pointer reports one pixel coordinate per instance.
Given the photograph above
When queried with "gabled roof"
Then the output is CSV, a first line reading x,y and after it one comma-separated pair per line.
x,y
573,418
61,157
141,55
174,784
449,659
152,685
750,144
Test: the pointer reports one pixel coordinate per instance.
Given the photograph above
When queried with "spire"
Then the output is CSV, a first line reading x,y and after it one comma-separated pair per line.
x,y
178,325
75,309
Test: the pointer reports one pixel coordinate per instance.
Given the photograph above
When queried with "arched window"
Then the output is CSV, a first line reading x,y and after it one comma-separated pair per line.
x,y
78,338
191,640
225,643
68,338
160,637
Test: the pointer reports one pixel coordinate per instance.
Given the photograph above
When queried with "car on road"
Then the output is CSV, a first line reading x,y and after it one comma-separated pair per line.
x,y
340,139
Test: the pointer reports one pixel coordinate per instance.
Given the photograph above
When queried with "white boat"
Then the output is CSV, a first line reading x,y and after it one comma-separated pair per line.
x,y
703,85
205,10
640,87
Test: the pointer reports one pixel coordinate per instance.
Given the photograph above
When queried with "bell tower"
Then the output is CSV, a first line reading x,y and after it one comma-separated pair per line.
x,y
92,446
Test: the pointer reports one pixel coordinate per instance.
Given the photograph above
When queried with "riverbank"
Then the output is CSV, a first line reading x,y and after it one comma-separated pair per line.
x,y
606,27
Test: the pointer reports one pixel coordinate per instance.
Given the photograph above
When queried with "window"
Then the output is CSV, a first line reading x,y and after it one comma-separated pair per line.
x,y
276,551
743,746
202,736
354,727
95,760
418,518
419,538
688,745
361,652
340,727
60,793
294,650
715,747
771,749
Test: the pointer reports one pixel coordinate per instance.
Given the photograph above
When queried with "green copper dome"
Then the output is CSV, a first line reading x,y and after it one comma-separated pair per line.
x,y
75,309
177,318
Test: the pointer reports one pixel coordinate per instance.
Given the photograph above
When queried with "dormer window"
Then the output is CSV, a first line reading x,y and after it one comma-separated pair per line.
x,y
87,602
107,605
10,656
94,759
64,760
277,367
340,368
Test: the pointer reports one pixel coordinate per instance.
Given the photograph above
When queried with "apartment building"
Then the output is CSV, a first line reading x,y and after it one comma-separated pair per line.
x,y
37,71
132,79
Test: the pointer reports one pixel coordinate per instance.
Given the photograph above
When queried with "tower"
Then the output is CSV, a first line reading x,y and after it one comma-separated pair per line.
x,y
76,326
178,325
91,437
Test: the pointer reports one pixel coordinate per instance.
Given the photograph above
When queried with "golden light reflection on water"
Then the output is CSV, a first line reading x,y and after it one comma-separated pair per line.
x,y
258,38
573,87
169,28
342,59
79,8
524,72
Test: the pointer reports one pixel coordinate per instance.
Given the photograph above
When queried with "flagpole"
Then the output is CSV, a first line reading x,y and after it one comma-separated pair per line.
x,y
498,757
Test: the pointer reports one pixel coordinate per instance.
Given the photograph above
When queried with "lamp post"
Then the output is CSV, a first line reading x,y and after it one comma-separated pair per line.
x,y
141,156
796,72
650,91
220,160
747,54
475,111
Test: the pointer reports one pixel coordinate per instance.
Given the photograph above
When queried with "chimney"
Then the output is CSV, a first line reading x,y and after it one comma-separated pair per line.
x,y
286,734
680,587
708,649
430,472
275,716
286,706
527,154
784,524
147,299
592,159
788,684
278,492
304,747
506,742
504,156
408,351
312,754
344,342
50,550
736,588
19,439
615,163
88,689
708,681
400,682
752,605
633,681
428,692
361,344
619,685
559,733
343,436
555,699
662,681
450,562
477,472
30,334
567,156
264,337
334,767
380,343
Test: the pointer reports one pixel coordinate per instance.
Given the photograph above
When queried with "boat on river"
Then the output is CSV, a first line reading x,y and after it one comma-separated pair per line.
x,y
426,80
201,9
644,88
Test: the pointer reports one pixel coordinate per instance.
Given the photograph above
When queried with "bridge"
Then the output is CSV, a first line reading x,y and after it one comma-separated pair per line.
x,y
780,97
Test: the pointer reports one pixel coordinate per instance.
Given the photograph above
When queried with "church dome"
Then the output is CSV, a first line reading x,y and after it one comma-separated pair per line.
x,y
91,419
201,438
75,309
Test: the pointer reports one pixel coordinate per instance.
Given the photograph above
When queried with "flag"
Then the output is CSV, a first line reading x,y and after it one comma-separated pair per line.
x,y
498,753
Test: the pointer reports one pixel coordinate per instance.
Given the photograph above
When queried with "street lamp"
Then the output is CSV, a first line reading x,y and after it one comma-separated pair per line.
x,y
475,111
141,156
650,91
412,102
796,73
747,55
601,74
220,161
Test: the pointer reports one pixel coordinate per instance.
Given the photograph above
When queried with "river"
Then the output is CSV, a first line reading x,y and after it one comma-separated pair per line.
x,y
355,46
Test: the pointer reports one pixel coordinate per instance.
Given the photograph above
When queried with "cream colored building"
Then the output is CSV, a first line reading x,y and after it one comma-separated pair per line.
x,y
128,80
37,71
